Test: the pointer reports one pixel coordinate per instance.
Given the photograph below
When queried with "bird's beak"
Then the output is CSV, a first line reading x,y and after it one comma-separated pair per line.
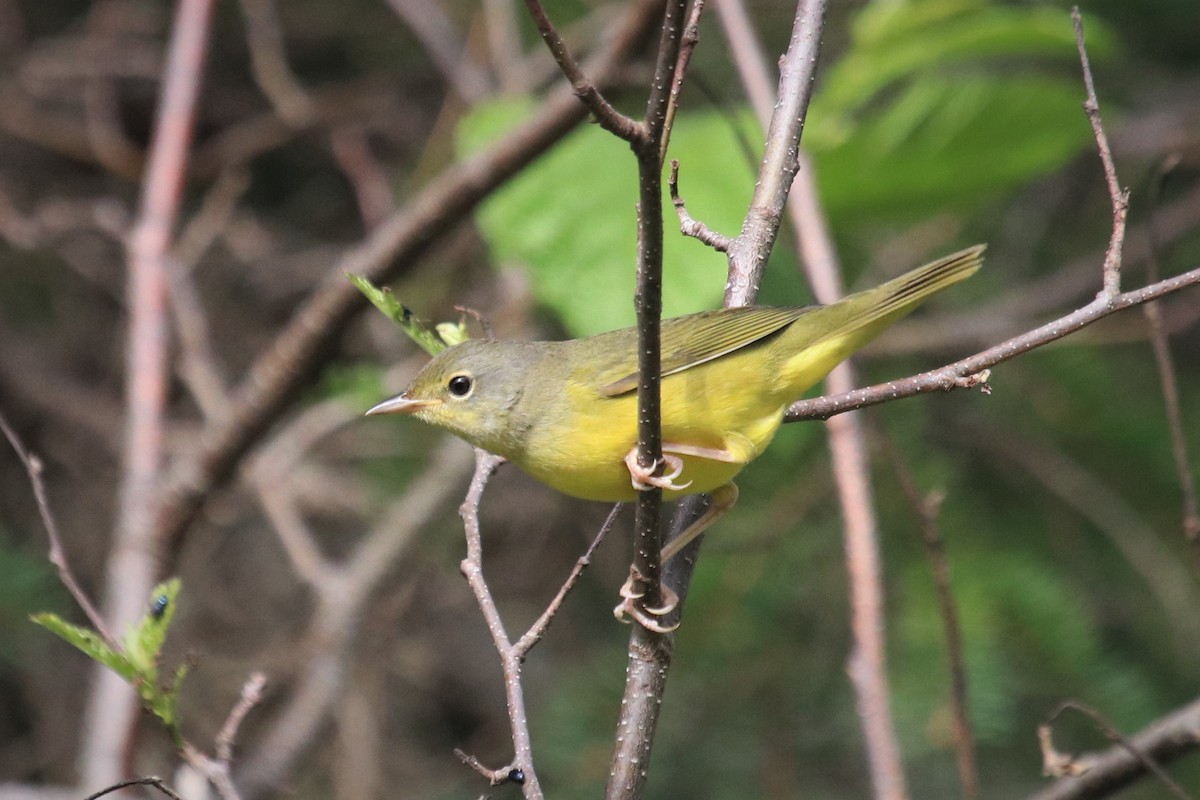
x,y
401,404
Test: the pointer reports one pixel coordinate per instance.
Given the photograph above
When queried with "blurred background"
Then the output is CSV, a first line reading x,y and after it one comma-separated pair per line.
x,y
330,560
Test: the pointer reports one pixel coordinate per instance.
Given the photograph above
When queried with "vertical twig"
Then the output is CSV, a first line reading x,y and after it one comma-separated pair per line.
x,y
57,556
926,510
1119,196
868,662
1167,375
133,564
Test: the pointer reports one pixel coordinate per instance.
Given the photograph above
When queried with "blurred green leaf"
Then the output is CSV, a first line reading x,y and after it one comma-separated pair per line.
x,y
138,662
89,642
143,643
425,337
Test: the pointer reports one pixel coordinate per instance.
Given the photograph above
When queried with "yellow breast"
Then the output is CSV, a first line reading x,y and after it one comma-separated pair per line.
x,y
724,405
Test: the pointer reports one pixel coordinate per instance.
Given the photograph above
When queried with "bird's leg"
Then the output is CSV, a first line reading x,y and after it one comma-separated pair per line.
x,y
723,499
631,608
644,479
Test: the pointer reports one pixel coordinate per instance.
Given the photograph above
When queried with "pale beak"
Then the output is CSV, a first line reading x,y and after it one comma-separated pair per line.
x,y
400,404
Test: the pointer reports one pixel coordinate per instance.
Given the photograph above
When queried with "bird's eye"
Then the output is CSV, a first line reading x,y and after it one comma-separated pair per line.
x,y
460,385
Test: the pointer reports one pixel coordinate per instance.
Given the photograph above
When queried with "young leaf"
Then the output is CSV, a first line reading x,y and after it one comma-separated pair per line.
x,y
89,642
383,299
143,644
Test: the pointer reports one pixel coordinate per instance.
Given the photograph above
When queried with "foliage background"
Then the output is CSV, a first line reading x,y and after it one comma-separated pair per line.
x,y
937,123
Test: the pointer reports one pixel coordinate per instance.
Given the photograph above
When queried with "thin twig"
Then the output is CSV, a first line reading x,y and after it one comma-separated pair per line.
x,y
589,94
472,569
252,694
1057,765
57,556
926,510
157,783
867,663
687,44
1167,374
1165,740
538,629
750,250
968,372
1119,196
692,227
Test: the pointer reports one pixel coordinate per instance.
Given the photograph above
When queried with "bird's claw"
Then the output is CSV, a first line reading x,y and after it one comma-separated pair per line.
x,y
644,479
631,609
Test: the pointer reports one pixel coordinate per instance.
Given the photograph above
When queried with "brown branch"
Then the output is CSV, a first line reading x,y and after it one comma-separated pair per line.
x,y
1169,738
926,510
268,62
1058,765
538,629
300,347
133,563
867,664
649,654
689,226
1119,196
472,569
749,251
57,556
1167,375
218,770
585,89
157,783
968,372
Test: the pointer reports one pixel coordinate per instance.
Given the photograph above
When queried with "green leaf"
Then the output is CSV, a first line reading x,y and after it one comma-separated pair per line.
x,y
143,643
425,337
89,642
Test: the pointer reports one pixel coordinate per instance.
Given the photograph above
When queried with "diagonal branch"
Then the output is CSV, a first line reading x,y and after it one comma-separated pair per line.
x,y
971,371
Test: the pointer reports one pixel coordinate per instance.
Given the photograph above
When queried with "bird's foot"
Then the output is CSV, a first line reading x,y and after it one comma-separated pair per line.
x,y
633,609
644,479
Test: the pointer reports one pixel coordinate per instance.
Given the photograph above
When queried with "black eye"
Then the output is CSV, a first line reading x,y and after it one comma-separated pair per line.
x,y
460,385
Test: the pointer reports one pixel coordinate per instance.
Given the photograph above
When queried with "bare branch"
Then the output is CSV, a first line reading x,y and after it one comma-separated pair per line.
x,y
1165,740
538,629
749,252
133,564
58,556
157,783
589,94
1058,765
1167,374
967,372
692,227
1119,196
472,569
926,511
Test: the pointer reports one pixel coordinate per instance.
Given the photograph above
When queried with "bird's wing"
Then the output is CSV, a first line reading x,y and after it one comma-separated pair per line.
x,y
698,338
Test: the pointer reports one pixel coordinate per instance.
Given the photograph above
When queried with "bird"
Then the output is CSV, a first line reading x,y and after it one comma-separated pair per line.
x,y
566,411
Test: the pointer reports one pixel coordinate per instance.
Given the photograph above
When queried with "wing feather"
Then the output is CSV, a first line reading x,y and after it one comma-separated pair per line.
x,y
698,338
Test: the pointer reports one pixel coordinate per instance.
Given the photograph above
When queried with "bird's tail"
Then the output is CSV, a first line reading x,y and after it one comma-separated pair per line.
x,y
821,339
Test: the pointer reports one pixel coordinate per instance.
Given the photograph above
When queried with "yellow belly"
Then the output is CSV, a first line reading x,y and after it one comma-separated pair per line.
x,y
720,406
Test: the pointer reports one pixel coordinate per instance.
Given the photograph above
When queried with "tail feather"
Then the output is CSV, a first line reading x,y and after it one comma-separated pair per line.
x,y
819,340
